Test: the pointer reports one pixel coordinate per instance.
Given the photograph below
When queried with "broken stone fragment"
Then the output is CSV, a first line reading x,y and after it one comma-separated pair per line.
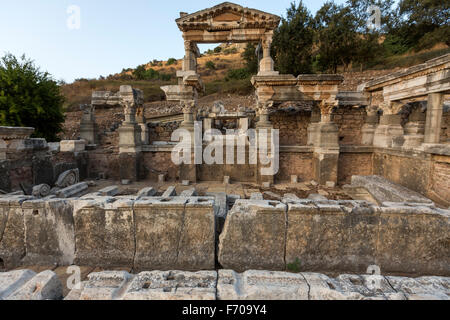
x,y
109,191
44,286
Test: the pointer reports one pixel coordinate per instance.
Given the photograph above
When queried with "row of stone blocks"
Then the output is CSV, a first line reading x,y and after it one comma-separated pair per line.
x,y
145,234
156,233
336,236
222,285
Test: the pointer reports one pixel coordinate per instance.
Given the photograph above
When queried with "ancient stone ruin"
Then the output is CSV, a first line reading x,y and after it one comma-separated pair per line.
x,y
363,182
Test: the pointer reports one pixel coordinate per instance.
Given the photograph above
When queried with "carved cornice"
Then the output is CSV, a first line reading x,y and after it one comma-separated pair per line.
x,y
240,18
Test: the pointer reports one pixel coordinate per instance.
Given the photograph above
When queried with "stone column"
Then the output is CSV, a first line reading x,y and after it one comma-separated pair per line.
x,y
87,124
414,129
129,137
140,117
389,133
190,57
189,171
369,127
433,124
326,147
264,123
266,65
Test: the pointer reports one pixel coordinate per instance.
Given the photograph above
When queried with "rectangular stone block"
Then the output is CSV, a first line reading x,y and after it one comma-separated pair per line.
x,y
110,191
73,191
414,240
254,236
12,231
107,285
147,192
173,285
49,232
43,286
159,225
72,145
322,237
261,285
104,232
170,192
197,244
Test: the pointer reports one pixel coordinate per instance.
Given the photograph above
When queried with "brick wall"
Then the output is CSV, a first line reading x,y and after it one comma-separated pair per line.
x,y
293,128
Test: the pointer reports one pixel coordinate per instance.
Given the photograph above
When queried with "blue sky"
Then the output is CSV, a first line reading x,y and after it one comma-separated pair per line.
x,y
112,35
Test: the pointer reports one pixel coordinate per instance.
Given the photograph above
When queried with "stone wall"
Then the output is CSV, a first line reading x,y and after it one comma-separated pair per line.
x,y
335,236
293,127
155,233
354,164
349,121
144,233
445,132
218,285
159,162
425,173
293,163
162,131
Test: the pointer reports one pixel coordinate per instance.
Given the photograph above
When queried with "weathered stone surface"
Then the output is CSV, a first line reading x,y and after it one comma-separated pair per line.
x,y
256,196
327,236
173,285
385,191
68,178
11,281
104,232
254,236
75,190
147,192
107,285
159,226
261,285
425,288
188,193
43,286
49,232
196,250
110,191
12,230
414,240
72,145
170,192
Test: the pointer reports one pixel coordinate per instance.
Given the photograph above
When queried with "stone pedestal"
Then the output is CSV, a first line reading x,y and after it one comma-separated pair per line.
x,y
87,125
368,130
129,138
389,133
414,130
129,166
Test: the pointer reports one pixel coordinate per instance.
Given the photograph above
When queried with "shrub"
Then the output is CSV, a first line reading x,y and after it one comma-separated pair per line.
x,y
211,65
237,74
30,98
171,61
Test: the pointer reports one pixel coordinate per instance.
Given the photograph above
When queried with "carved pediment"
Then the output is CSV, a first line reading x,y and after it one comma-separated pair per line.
x,y
228,16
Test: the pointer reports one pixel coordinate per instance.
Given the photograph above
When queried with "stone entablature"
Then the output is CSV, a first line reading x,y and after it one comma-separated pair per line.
x,y
222,23
12,133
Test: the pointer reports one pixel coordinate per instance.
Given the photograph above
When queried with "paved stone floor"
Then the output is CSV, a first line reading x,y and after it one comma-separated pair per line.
x,y
37,283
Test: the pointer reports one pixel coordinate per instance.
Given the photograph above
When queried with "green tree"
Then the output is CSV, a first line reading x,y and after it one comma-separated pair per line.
x,y
293,41
419,24
336,36
30,97
250,58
